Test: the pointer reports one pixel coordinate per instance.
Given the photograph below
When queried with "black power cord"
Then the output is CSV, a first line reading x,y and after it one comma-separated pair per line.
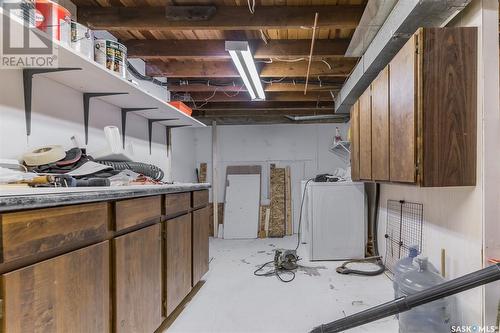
x,y
278,270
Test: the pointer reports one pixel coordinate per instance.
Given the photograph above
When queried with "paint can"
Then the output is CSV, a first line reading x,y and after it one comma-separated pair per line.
x,y
112,55
53,19
82,40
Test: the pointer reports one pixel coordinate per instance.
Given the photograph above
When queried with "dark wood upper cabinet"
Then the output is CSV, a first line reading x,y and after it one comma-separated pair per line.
x,y
355,141
417,123
403,114
365,135
201,220
68,293
178,261
138,281
448,106
380,126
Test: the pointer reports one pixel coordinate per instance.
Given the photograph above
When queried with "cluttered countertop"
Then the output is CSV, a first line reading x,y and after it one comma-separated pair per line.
x,y
29,198
52,176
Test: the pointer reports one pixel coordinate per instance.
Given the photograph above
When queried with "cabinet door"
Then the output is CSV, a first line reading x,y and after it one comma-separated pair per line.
x,y
355,141
380,126
365,135
201,220
138,285
178,261
403,111
69,293
449,103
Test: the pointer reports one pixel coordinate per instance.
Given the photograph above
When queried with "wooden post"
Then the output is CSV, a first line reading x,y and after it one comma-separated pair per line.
x,y
214,178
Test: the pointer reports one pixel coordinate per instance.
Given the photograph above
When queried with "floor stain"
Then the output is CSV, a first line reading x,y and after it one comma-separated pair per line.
x,y
332,287
311,271
357,303
272,245
261,251
244,261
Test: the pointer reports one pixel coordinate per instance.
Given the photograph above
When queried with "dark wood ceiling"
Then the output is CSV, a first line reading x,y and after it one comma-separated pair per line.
x,y
192,56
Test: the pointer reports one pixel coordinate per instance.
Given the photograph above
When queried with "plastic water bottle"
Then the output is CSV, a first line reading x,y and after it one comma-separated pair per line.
x,y
402,266
437,316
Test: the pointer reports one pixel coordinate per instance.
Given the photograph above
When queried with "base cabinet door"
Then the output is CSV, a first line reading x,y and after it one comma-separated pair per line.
x,y
138,285
178,260
69,293
201,219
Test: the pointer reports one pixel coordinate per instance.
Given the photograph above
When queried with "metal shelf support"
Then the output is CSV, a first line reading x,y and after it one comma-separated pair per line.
x,y
150,129
28,88
86,108
125,111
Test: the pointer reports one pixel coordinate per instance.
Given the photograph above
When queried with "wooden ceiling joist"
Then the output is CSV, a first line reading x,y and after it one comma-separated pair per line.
x,y
225,18
337,67
272,97
267,88
261,116
269,105
215,49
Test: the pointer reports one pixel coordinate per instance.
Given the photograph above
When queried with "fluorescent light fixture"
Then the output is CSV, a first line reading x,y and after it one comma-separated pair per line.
x,y
243,60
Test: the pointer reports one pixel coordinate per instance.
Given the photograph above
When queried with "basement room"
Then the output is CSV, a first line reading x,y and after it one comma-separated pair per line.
x,y
258,166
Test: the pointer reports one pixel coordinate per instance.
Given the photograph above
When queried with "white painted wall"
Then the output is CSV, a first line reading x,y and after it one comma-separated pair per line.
x,y
456,219
58,115
303,147
183,155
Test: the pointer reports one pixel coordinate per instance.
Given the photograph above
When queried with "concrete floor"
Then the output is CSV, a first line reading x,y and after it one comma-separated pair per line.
x,y
234,300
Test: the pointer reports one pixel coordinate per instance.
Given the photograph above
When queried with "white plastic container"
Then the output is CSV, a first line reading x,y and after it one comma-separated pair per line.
x,y
82,40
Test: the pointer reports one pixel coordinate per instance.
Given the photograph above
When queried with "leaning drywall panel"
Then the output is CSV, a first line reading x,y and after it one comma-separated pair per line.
x,y
241,218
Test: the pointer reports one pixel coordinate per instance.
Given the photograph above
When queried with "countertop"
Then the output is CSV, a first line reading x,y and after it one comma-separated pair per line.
x,y
29,198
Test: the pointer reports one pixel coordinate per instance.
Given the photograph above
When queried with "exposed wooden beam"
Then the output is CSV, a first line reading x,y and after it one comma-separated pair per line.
x,y
262,116
269,105
268,87
225,18
340,67
229,112
215,49
272,97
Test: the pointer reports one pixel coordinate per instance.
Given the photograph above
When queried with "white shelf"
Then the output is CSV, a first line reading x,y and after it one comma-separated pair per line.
x,y
341,146
94,78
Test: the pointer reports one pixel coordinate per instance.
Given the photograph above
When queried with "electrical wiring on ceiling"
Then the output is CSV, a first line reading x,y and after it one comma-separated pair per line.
x,y
211,83
251,6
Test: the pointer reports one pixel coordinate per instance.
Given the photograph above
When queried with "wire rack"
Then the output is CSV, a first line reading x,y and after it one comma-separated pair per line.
x,y
404,228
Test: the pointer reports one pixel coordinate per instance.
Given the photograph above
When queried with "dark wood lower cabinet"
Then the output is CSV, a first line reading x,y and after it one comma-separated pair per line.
x,y
201,220
138,285
178,256
68,293
108,267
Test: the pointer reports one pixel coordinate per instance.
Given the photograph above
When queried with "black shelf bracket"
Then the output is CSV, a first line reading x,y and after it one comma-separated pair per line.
x,y
125,111
28,88
150,129
86,108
